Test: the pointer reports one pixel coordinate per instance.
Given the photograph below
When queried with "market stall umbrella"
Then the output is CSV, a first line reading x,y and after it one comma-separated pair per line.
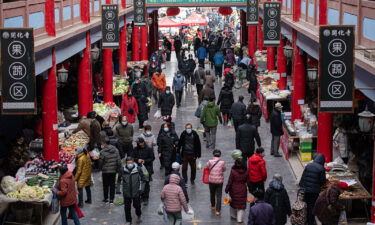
x,y
167,22
194,20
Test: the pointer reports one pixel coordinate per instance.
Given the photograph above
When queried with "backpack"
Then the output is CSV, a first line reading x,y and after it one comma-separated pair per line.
x,y
299,210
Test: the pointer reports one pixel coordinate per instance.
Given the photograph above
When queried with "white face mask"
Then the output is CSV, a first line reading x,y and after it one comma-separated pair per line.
x,y
148,132
124,123
167,92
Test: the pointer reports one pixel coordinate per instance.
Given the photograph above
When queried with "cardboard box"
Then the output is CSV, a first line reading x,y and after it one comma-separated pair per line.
x,y
306,156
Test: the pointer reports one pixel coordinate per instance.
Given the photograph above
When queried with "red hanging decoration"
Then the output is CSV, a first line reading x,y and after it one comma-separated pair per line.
x,y
225,11
173,11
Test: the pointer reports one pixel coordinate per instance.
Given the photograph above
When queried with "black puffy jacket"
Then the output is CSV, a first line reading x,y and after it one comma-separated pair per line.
x,y
147,154
166,103
314,175
276,123
225,100
277,196
245,136
238,110
166,146
197,144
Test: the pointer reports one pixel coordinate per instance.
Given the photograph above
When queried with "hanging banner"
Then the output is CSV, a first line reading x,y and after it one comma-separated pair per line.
x,y
336,68
252,15
18,72
271,25
110,26
140,13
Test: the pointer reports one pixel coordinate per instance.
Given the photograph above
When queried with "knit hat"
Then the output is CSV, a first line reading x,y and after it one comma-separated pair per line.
x,y
140,140
175,166
343,186
277,177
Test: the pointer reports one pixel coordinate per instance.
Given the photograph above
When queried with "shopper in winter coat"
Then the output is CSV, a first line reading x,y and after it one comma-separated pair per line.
x,y
207,93
159,83
67,193
132,179
189,147
328,206
209,79
245,136
176,170
129,107
166,102
177,44
83,124
231,60
236,187
110,164
198,79
229,77
210,118
219,61
216,179
138,89
143,110
211,53
201,54
148,136
225,102
168,48
83,175
191,65
95,128
178,87
313,178
253,85
167,142
238,112
261,213
144,156
257,171
255,112
278,197
124,132
173,198
276,129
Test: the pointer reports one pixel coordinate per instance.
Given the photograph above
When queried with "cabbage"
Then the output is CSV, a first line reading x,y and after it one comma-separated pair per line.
x,y
29,192
236,154
9,184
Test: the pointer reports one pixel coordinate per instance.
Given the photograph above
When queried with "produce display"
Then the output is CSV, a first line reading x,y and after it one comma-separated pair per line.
x,y
105,110
42,181
29,192
140,64
9,184
70,144
66,157
39,165
120,86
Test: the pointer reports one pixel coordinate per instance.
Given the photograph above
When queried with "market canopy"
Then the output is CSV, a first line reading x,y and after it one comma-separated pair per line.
x,y
167,22
194,20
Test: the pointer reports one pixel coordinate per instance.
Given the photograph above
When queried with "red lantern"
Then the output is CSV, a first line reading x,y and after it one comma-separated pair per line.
x,y
225,11
173,11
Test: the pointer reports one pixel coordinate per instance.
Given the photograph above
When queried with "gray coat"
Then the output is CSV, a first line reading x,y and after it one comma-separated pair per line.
x,y
124,133
109,161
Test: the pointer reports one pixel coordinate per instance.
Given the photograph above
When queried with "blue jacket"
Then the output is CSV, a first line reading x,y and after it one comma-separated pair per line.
x,y
261,214
219,59
202,53
178,83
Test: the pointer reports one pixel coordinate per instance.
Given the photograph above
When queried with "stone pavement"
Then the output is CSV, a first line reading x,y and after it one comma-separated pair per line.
x,y
100,213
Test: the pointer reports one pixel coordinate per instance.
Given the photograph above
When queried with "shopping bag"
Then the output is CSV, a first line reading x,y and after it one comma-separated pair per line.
x,y
146,174
94,154
250,198
226,200
199,165
188,216
157,114
206,174
78,211
54,204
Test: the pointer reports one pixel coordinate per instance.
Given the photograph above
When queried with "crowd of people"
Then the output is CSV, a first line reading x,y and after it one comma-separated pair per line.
x,y
129,169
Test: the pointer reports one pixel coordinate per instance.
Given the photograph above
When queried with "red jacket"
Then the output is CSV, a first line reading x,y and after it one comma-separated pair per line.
x,y
129,105
67,191
257,168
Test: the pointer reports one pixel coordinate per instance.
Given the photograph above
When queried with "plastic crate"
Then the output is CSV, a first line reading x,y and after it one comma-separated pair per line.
x,y
306,156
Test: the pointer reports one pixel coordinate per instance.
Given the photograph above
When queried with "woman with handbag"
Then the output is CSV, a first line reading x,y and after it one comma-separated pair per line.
x,y
237,189
216,179
129,107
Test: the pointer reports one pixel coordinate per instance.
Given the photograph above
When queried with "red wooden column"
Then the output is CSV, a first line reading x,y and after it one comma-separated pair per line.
x,y
85,11
281,64
85,99
325,119
107,72
135,44
244,33
260,34
156,29
144,40
50,17
123,50
270,58
151,35
298,79
252,40
49,114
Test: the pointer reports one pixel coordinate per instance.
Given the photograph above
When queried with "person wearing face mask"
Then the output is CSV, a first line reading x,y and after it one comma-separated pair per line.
x,y
148,136
132,179
276,129
95,128
144,156
167,142
129,107
178,87
166,102
124,132
189,146
246,136
257,171
159,83
110,164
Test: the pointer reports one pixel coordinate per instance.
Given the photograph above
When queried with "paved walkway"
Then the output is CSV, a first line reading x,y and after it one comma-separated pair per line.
x,y
99,213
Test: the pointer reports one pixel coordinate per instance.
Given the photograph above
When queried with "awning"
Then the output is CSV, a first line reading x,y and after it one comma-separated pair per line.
x,y
167,22
365,82
194,20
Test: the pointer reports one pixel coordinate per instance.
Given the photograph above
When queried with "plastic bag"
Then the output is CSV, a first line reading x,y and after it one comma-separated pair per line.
x,y
161,211
54,204
199,165
157,115
188,216
206,175
146,174
226,200
94,154
21,175
9,184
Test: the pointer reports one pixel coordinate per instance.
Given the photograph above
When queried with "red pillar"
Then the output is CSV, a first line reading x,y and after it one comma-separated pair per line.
x,y
298,78
135,44
49,114
85,80
123,50
271,58
156,30
260,35
243,27
50,17
297,10
373,187
151,35
85,11
143,41
252,40
325,120
281,64
107,77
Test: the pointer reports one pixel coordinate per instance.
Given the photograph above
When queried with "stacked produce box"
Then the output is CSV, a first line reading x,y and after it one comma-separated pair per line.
x,y
306,149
